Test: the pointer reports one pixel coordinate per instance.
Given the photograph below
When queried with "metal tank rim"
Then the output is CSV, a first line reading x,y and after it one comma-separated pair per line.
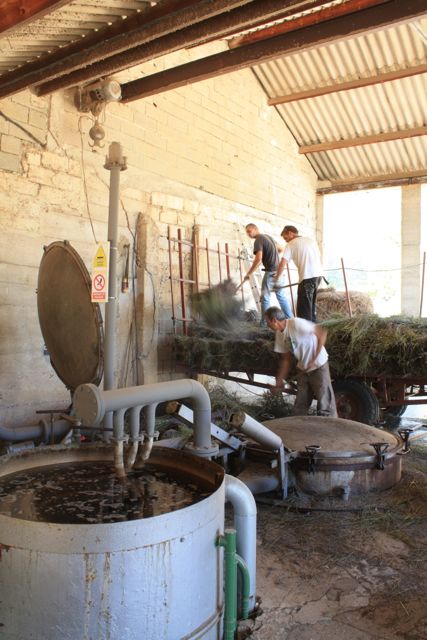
x,y
58,538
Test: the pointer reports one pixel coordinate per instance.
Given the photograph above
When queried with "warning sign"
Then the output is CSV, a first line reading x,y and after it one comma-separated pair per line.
x,y
100,259
99,286
100,273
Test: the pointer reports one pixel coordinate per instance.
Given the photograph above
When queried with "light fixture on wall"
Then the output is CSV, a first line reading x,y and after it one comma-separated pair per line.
x,y
92,99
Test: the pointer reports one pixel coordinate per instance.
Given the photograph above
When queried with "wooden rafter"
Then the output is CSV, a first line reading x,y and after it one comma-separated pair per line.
x,y
382,15
331,145
319,16
227,17
379,78
373,182
144,32
14,13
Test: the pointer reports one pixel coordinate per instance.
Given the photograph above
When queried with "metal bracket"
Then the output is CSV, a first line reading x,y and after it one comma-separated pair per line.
x,y
283,471
312,450
405,435
380,449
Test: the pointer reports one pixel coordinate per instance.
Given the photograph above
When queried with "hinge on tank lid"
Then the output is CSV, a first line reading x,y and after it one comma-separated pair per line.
x,y
312,450
405,435
380,449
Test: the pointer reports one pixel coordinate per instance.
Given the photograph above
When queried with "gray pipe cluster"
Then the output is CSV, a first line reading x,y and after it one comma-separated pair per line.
x,y
91,404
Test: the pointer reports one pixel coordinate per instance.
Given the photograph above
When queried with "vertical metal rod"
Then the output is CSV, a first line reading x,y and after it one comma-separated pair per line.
x,y
171,280
241,280
227,261
209,267
181,282
290,289
114,163
195,248
219,262
350,313
422,284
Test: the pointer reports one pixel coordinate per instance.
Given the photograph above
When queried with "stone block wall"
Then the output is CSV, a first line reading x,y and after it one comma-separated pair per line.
x,y
212,154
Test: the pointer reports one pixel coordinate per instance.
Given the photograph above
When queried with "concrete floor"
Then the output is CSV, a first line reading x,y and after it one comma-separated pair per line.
x,y
349,575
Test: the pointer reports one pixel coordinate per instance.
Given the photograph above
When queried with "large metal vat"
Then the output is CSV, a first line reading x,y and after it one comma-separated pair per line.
x,y
158,578
337,457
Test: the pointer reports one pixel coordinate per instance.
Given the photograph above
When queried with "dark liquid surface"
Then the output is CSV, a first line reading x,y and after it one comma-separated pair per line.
x,y
90,493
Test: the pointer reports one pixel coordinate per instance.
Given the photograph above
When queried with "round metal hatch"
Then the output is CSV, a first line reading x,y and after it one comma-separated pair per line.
x,y
334,456
70,323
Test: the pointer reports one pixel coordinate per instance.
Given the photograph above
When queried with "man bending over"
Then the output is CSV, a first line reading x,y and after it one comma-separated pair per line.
x,y
304,340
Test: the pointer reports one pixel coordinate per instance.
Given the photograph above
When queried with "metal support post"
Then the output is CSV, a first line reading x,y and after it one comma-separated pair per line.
x,y
115,162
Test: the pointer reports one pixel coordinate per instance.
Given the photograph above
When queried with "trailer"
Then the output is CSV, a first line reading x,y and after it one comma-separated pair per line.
x,y
365,399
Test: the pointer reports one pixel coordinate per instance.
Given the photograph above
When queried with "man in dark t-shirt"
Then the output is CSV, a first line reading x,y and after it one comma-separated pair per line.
x,y
265,252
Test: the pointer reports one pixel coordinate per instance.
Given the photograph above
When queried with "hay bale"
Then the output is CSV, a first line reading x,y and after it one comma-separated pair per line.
x,y
373,346
217,307
359,346
331,303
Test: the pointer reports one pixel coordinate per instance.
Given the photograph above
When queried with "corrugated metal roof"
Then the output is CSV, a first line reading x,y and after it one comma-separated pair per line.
x,y
60,27
354,113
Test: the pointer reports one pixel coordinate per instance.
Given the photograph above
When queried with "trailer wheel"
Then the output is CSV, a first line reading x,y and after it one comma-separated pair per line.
x,y
356,401
395,412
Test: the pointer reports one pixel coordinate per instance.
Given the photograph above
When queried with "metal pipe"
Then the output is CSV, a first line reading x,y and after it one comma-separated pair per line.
x,y
91,404
260,483
255,430
246,586
150,417
135,438
42,431
119,438
114,162
228,542
244,507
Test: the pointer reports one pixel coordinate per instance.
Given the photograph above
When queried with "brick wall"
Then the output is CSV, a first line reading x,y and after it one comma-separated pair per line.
x,y
212,154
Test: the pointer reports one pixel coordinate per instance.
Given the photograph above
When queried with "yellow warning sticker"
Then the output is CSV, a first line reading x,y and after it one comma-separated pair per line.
x,y
100,259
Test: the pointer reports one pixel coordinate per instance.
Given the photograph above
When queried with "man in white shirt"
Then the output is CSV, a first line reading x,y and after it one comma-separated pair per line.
x,y
305,253
305,341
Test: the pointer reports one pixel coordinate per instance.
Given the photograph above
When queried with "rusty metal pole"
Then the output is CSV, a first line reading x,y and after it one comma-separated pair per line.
x,y
219,261
227,261
290,289
350,313
181,283
422,284
171,279
208,263
241,280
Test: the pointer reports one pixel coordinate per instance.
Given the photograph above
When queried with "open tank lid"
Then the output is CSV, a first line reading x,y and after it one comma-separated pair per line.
x,y
337,437
70,323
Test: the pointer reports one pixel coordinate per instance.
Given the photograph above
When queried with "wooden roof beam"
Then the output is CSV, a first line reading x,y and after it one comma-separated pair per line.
x,y
320,15
372,182
167,17
211,28
363,140
392,12
379,78
14,13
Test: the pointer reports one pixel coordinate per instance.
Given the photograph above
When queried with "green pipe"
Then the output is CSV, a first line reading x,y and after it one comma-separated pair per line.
x,y
228,541
246,584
